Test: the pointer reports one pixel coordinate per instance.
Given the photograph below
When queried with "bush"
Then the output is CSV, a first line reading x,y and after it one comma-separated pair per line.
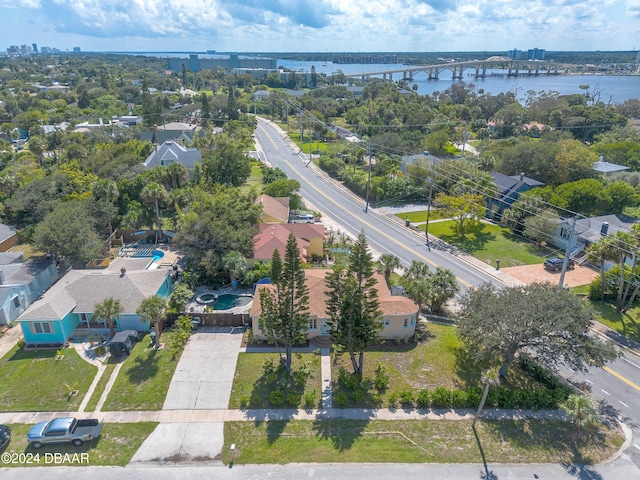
x,y
244,401
407,398
382,378
458,399
276,398
308,400
293,399
474,395
358,395
341,399
441,398
393,400
347,380
424,399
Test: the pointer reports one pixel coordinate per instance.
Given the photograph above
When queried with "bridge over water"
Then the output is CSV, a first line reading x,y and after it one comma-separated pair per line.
x,y
512,68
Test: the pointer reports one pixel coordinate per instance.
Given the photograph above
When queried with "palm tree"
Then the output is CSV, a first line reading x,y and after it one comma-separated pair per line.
x,y
598,252
109,309
420,291
152,310
388,263
582,411
489,379
235,264
153,194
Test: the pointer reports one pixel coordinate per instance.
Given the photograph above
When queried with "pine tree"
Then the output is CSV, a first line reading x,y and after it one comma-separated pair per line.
x,y
353,306
285,309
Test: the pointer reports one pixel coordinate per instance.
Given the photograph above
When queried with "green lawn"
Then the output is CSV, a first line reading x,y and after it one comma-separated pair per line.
x,y
97,393
420,216
251,387
491,243
440,360
116,445
627,323
144,378
435,441
36,381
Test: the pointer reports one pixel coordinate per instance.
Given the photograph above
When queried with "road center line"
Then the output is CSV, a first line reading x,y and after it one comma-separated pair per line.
x,y
625,380
425,259
623,404
630,362
605,392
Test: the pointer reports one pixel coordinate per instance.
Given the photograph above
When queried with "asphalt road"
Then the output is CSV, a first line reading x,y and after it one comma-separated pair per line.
x,y
383,235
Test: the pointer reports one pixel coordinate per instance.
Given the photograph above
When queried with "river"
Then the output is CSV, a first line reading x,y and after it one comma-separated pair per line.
x,y
612,88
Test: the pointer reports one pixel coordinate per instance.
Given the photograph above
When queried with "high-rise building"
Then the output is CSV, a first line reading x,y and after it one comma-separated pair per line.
x,y
535,54
76,49
514,54
35,47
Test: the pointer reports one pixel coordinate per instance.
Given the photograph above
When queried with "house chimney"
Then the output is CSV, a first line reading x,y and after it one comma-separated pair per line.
x,y
522,176
604,229
123,271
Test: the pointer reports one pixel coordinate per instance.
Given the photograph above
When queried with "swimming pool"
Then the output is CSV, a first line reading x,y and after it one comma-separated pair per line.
x,y
227,301
157,255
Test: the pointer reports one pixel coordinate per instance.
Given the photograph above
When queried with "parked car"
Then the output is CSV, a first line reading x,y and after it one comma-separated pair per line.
x,y
122,342
64,430
555,264
5,436
303,218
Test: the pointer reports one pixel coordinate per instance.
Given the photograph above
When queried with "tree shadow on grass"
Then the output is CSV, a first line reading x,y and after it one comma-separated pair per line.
x,y
552,436
468,370
342,433
143,367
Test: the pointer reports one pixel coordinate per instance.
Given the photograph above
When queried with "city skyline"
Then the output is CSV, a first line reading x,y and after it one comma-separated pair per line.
x,y
322,25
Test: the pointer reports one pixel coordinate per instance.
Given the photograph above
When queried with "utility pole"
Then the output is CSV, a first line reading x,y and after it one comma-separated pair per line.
x,y
366,205
426,228
567,252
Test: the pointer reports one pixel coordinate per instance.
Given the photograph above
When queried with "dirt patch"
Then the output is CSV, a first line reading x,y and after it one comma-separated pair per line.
x,y
537,273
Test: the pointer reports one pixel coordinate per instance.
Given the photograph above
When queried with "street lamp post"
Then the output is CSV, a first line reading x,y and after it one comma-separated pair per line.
x,y
426,228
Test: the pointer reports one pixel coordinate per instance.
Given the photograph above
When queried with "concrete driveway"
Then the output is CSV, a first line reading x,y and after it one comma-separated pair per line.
x,y
202,381
528,274
203,378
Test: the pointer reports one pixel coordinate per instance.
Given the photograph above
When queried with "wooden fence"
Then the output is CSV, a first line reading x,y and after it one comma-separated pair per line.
x,y
213,319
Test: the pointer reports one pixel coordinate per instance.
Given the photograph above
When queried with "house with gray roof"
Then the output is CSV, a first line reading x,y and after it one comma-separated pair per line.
x,y
8,237
68,306
172,152
509,189
22,283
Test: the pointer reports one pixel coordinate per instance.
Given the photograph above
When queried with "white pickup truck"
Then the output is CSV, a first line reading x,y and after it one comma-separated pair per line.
x,y
64,430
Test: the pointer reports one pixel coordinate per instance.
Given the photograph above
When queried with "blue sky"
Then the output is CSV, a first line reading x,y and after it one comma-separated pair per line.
x,y
321,25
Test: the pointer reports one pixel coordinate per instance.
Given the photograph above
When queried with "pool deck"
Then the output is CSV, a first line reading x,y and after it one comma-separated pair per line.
x,y
195,307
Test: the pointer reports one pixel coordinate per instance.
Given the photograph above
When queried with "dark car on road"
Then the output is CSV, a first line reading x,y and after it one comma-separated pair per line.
x,y
5,435
555,264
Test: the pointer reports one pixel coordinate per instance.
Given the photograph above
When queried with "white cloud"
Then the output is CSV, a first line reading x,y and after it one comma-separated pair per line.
x,y
338,25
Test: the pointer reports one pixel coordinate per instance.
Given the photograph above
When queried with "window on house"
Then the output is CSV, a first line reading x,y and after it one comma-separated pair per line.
x,y
16,302
406,323
386,322
313,324
565,232
413,321
41,327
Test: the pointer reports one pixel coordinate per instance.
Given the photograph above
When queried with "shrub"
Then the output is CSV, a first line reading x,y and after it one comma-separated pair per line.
x,y
441,398
393,400
341,399
424,399
308,400
268,366
244,401
474,395
382,378
459,399
347,380
358,395
376,399
407,398
293,399
276,398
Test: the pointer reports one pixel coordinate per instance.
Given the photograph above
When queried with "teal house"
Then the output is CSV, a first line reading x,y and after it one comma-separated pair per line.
x,y
66,309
